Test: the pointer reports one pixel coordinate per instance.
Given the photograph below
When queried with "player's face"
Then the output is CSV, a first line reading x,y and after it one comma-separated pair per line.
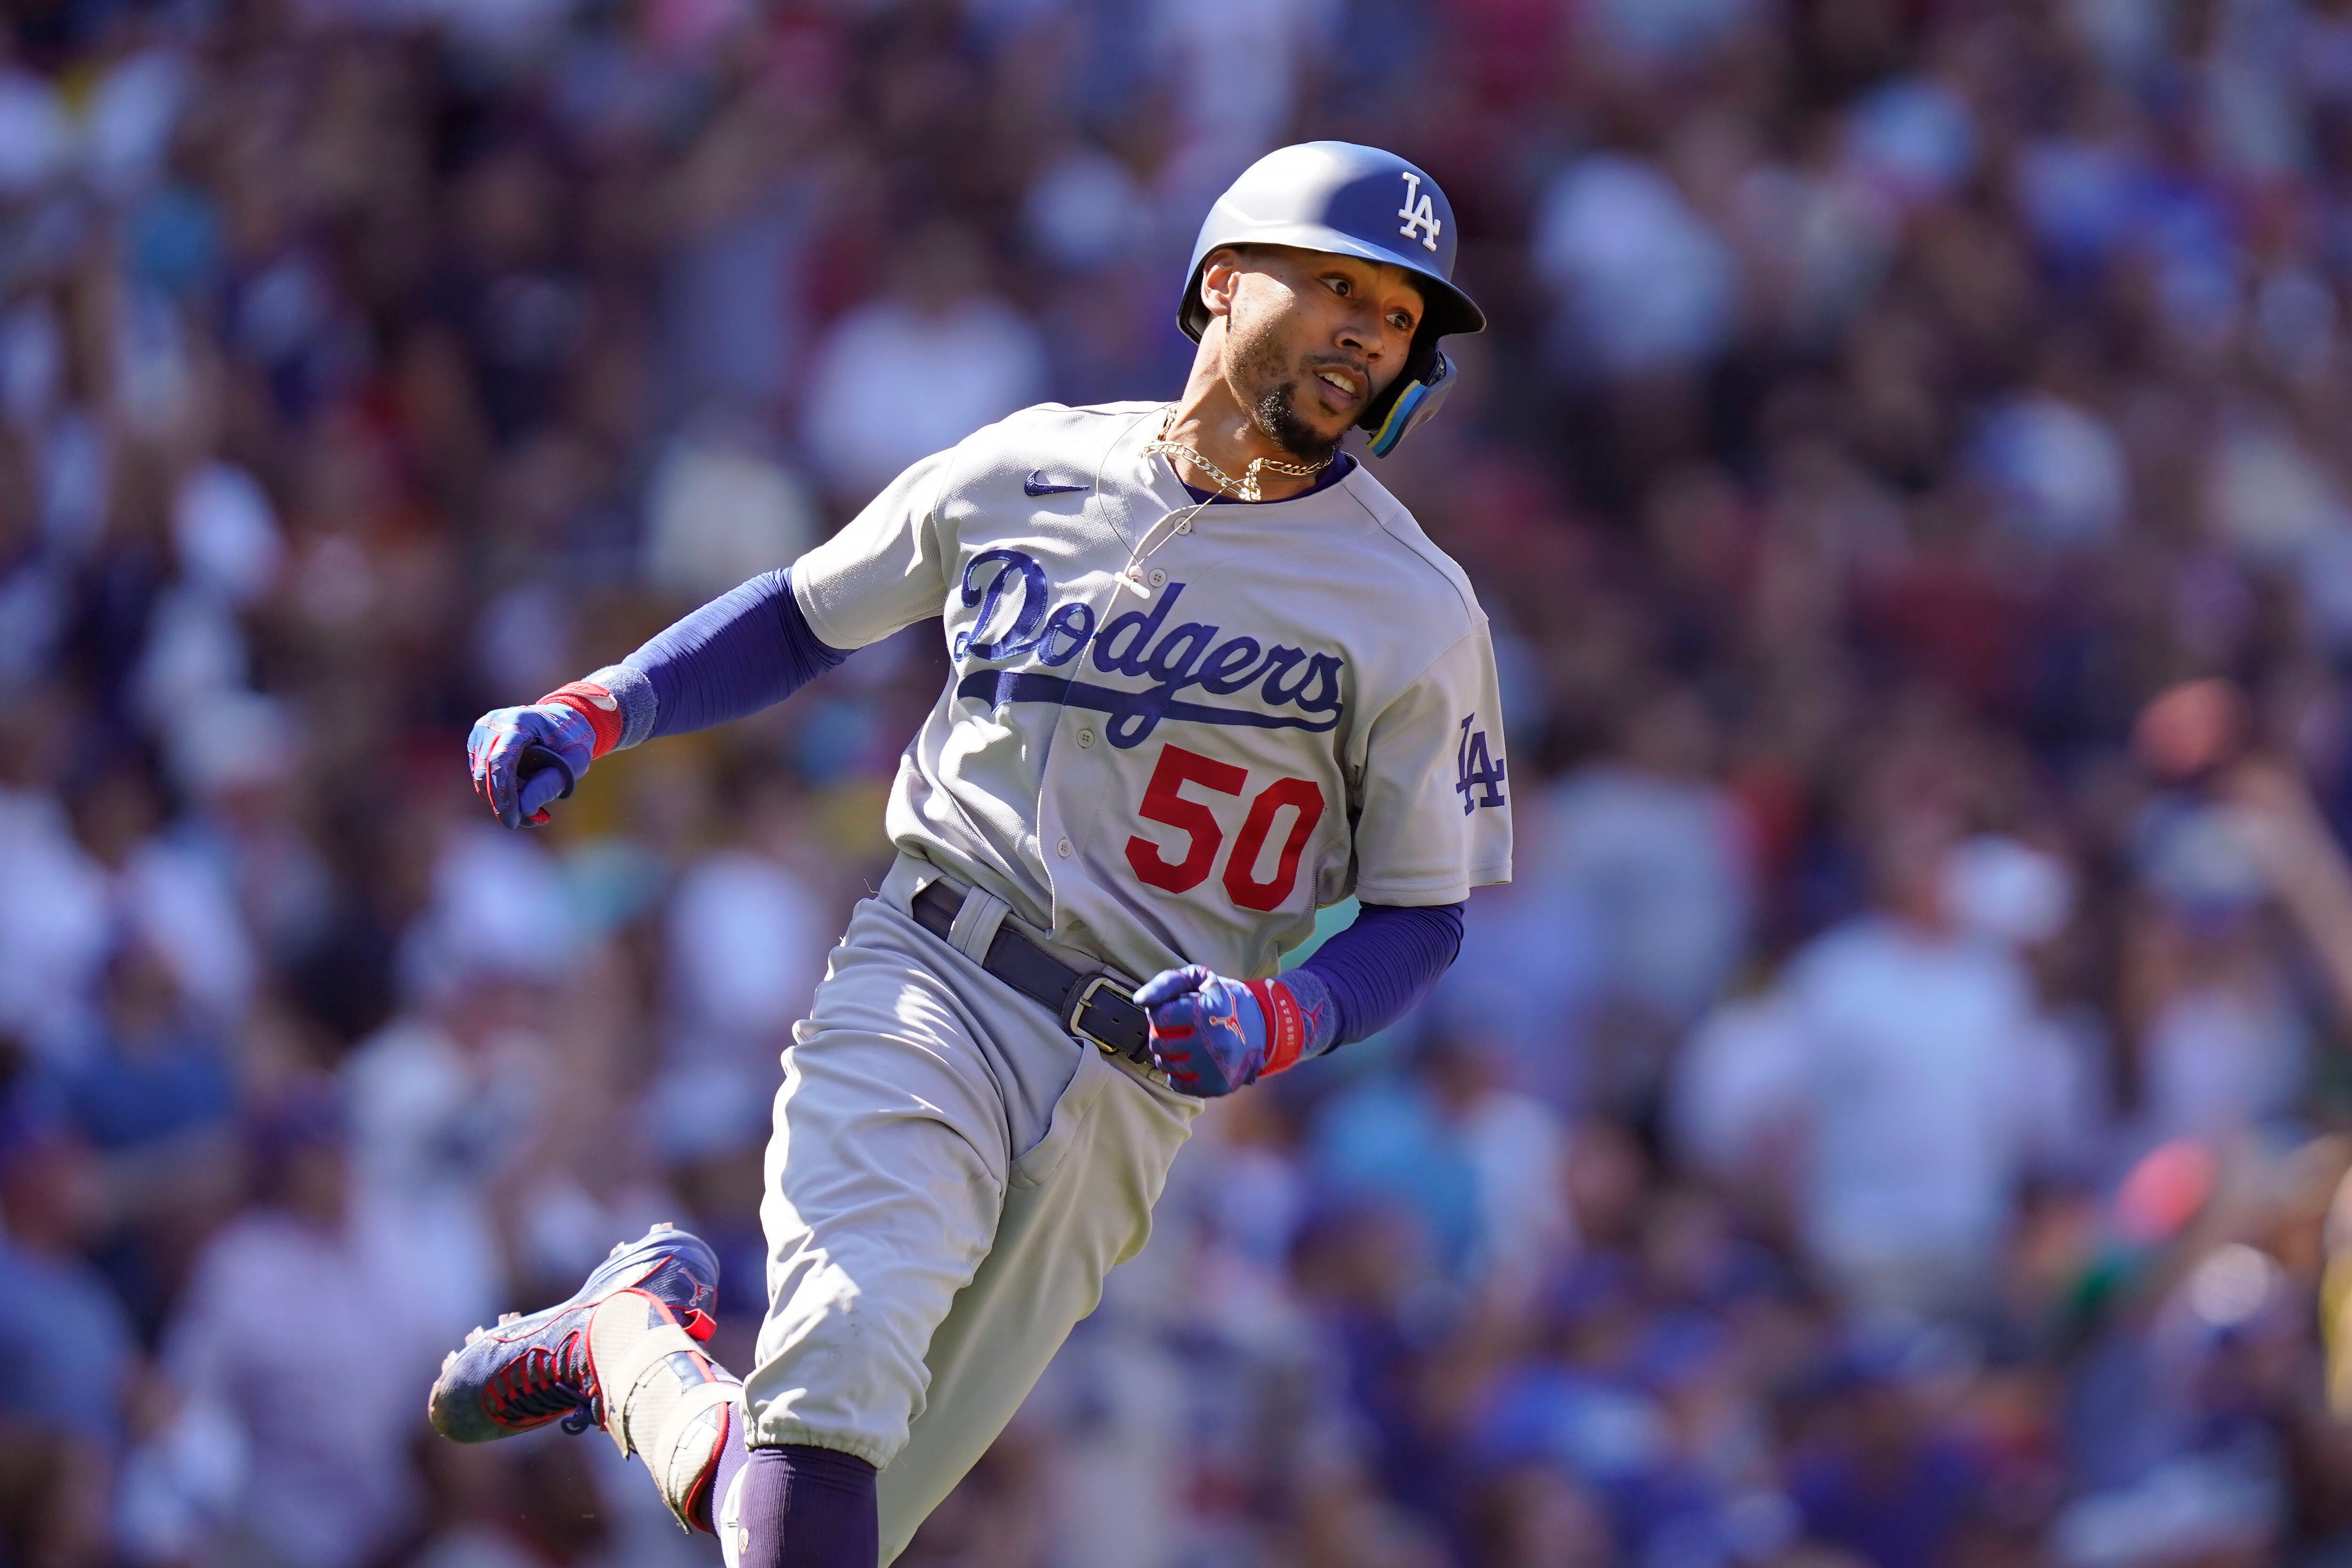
x,y
1312,339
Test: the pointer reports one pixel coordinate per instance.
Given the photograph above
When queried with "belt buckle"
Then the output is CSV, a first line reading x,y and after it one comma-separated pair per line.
x,y
1082,998
1085,996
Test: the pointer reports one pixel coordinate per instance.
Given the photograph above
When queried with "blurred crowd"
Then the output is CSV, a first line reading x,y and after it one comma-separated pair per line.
x,y
1885,1124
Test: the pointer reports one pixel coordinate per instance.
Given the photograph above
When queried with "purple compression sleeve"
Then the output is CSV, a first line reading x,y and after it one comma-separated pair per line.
x,y
800,1506
747,649
1383,963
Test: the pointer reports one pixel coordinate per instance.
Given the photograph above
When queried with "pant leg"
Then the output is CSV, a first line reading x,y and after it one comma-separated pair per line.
x,y
920,1277
1076,1205
886,1175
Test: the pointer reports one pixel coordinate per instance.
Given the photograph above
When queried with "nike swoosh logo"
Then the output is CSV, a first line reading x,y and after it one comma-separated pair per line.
x,y
1036,484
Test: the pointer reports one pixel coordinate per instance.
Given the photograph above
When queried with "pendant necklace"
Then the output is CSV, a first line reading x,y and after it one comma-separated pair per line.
x,y
1244,488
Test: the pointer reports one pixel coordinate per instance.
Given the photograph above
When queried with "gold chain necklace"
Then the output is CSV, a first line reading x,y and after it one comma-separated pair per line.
x,y
1246,486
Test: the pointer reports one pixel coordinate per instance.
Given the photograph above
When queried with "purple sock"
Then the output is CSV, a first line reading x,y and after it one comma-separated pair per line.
x,y
801,1507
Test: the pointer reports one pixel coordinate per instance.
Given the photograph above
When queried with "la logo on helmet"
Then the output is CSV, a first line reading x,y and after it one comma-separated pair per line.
x,y
1417,212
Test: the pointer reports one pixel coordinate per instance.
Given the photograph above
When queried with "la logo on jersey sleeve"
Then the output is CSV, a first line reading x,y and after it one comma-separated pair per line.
x,y
1477,774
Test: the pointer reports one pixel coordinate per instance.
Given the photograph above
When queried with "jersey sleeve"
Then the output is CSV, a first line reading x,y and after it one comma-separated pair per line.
x,y
1437,790
886,569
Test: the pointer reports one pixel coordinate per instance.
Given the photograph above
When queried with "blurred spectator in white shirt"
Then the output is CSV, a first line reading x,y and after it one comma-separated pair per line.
x,y
721,508
311,1333
1736,1109
444,1106
1641,281
240,760
65,893
917,370
1751,1083
53,920
1658,853
748,926
1916,1046
450,1098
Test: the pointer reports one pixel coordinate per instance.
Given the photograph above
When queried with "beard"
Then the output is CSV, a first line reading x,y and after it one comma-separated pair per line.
x,y
1276,412
1274,406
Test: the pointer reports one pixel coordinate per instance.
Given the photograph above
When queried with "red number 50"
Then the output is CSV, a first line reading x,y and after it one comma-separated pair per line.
x,y
1164,802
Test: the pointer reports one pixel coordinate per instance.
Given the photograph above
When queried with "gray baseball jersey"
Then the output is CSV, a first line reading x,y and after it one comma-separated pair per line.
x,y
1174,731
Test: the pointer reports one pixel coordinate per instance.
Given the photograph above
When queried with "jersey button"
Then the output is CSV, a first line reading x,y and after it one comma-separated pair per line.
x,y
1158,579
1086,737
1063,848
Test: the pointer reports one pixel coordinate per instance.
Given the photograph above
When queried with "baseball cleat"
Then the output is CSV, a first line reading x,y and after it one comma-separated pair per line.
x,y
530,1370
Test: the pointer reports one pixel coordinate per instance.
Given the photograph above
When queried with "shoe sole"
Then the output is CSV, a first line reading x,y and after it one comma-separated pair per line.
x,y
461,1420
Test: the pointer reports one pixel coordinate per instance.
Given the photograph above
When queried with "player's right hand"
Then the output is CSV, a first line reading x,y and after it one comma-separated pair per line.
x,y
526,759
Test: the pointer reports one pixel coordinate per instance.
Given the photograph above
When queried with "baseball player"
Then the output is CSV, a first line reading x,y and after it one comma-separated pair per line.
x,y
1208,677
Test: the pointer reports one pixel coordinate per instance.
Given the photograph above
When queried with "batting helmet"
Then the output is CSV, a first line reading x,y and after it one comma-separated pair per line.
x,y
1352,201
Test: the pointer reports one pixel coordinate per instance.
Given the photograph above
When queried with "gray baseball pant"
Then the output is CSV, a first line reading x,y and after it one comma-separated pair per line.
x,y
949,1178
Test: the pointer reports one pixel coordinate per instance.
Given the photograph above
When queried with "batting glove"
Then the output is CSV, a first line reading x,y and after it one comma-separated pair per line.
x,y
526,759
1212,1035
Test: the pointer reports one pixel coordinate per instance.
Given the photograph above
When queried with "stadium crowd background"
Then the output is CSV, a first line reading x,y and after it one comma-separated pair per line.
x,y
1880,1125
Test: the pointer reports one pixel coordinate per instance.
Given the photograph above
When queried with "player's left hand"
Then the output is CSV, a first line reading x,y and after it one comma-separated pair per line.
x,y
1210,1034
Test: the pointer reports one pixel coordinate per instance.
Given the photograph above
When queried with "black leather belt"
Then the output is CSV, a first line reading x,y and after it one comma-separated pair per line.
x,y
1090,1003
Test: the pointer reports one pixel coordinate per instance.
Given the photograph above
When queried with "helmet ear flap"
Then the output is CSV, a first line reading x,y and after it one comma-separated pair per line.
x,y
1193,315
1427,378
